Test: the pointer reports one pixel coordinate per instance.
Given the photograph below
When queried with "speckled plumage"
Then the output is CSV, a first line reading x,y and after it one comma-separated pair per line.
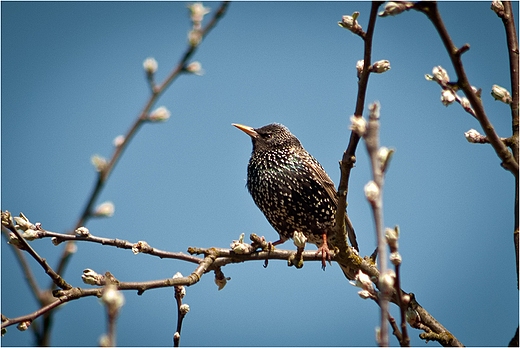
x,y
290,186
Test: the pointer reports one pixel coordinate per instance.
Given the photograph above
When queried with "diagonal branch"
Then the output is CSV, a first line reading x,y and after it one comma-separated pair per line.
x,y
431,11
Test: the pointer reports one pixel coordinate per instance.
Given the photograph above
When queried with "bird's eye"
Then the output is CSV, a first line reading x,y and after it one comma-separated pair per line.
x,y
267,135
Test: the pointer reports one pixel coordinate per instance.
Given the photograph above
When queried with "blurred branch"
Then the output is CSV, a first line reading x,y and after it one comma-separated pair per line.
x,y
29,276
105,170
66,296
142,118
374,194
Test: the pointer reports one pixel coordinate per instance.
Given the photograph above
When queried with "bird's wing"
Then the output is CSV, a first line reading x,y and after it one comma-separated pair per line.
x,y
327,183
321,175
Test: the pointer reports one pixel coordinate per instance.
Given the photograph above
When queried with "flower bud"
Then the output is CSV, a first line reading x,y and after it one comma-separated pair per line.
x,y
112,297
184,309
395,258
221,281
358,125
497,6
105,209
23,223
24,325
363,281
119,140
194,37
6,218
91,277
299,239
30,234
440,75
473,136
447,97
385,155
141,246
195,68
197,12
465,103
239,247
347,22
394,8
150,65
14,241
386,282
99,162
364,294
502,94
380,66
104,341
392,235
82,231
180,290
350,22
359,67
160,114
371,191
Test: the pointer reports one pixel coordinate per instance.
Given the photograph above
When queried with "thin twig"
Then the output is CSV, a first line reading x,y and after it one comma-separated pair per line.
x,y
107,170
139,247
55,277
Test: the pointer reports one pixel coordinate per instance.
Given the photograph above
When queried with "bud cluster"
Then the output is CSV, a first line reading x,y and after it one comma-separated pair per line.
x,y
239,247
30,230
351,23
299,239
378,67
363,281
449,90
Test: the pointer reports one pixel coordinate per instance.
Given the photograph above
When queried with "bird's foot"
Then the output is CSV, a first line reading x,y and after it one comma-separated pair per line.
x,y
325,252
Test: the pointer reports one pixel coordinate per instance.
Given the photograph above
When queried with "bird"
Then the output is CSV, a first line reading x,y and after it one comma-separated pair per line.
x,y
292,189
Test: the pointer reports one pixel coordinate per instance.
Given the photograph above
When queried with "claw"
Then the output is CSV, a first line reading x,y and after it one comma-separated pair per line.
x,y
270,246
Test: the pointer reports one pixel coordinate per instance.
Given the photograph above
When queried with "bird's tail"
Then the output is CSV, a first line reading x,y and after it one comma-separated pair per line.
x,y
349,272
351,233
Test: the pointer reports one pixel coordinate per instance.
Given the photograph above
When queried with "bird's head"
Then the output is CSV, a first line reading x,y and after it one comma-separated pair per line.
x,y
274,136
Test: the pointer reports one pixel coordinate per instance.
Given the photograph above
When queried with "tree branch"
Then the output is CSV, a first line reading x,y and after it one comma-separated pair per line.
x,y
431,11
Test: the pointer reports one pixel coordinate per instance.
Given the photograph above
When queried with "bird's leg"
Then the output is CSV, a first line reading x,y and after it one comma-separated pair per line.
x,y
325,252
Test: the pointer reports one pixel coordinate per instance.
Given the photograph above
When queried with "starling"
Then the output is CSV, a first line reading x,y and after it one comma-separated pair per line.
x,y
292,189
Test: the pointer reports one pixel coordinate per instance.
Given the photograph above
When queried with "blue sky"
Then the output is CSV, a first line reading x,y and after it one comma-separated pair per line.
x,y
72,80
